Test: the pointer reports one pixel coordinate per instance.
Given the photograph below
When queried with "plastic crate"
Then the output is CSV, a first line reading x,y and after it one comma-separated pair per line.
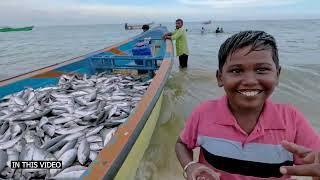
x,y
103,63
142,49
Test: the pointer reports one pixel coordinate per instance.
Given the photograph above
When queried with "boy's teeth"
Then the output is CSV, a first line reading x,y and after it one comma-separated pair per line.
x,y
250,93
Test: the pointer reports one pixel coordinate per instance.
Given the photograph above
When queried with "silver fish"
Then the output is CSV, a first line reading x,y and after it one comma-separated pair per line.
x,y
6,136
83,151
49,129
8,144
107,135
56,146
3,159
74,136
71,131
93,155
19,146
94,138
44,120
62,120
4,127
96,146
17,128
113,111
66,147
69,175
27,152
74,168
47,144
39,154
13,155
19,101
67,159
94,131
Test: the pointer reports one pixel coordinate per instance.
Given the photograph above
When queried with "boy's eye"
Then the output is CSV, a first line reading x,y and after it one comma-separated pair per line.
x,y
235,71
262,69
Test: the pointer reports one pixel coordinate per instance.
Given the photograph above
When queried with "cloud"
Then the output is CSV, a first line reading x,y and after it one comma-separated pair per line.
x,y
51,12
75,12
237,3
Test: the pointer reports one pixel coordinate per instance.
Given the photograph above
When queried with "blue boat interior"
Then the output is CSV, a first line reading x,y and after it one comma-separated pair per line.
x,y
142,52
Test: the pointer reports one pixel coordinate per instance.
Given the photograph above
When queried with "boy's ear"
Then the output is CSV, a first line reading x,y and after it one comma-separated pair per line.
x,y
219,78
278,75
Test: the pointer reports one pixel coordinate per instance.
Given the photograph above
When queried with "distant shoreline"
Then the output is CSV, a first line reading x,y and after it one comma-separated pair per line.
x,y
186,21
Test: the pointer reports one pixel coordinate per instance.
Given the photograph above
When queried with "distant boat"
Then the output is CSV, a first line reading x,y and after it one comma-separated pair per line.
x,y
207,22
9,29
135,26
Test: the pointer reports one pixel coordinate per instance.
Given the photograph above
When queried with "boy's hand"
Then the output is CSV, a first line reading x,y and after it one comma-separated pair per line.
x,y
309,157
200,171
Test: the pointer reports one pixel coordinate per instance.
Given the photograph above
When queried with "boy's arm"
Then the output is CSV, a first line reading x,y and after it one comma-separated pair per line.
x,y
183,153
195,170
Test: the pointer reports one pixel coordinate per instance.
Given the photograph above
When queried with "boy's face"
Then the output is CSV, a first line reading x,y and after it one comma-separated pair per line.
x,y
248,79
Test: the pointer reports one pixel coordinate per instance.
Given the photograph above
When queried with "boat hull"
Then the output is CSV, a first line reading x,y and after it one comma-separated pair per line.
x,y
131,164
8,29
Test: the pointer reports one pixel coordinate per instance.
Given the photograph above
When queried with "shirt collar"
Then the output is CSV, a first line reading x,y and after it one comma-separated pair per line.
x,y
269,118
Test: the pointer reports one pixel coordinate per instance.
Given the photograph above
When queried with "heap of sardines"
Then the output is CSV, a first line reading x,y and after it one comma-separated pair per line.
x,y
70,122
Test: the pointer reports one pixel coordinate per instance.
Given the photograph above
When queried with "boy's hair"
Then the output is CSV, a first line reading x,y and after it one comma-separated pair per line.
x,y
179,20
259,40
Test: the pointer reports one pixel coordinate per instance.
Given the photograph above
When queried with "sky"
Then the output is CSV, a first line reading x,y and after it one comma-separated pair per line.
x,y
77,12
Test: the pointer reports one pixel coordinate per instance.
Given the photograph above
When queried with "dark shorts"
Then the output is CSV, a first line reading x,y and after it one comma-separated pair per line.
x,y
139,62
183,60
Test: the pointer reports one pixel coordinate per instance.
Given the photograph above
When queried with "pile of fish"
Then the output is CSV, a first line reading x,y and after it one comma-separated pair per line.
x,y
70,122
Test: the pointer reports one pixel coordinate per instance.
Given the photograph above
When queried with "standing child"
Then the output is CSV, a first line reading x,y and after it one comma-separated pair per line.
x,y
240,134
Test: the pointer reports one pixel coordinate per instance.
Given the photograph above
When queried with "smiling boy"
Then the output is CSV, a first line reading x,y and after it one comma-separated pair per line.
x,y
240,134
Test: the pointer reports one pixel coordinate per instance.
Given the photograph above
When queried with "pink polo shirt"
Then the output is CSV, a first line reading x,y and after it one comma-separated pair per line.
x,y
228,149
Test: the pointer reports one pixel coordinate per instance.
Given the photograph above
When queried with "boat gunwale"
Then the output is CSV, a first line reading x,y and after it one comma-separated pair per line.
x,y
112,156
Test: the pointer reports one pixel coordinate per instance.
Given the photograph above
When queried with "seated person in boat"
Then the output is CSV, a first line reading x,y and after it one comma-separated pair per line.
x,y
145,27
217,30
241,134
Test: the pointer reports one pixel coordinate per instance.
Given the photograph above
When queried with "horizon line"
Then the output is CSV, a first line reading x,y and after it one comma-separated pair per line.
x,y
193,21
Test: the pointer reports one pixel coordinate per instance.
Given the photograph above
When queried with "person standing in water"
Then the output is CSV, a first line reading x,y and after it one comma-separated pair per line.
x,y
180,36
202,30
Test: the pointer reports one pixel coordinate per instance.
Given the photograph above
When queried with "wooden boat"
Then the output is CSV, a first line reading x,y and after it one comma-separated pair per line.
x,y
120,158
135,26
9,29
